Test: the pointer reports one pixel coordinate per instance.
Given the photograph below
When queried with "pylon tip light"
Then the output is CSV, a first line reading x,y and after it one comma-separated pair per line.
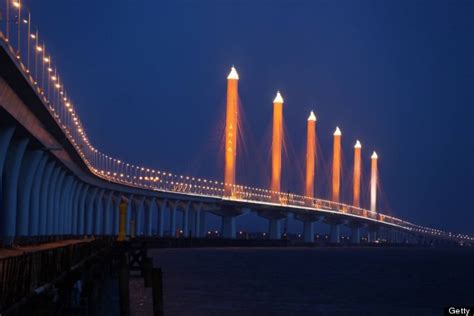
x,y
374,155
312,117
358,145
278,98
337,132
233,74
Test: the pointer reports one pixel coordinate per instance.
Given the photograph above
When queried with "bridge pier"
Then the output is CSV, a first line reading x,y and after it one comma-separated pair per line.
x,y
372,232
89,210
173,209
82,210
228,227
10,184
116,199
51,199
44,197
63,209
308,231
149,203
274,229
6,134
28,168
196,214
202,224
162,204
98,212
58,185
107,228
137,217
355,232
75,207
186,219
334,233
334,229
35,199
72,202
308,225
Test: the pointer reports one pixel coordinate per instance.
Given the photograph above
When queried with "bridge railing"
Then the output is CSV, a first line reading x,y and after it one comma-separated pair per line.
x,y
20,38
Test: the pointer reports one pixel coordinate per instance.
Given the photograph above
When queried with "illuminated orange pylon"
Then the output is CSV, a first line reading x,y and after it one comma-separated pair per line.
x,y
231,130
373,182
310,155
357,172
336,166
277,140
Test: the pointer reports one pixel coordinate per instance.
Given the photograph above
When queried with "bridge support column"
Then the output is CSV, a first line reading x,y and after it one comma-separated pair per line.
x,y
122,230
116,199
228,227
355,235
108,209
197,220
308,230
82,210
136,227
334,233
54,211
355,232
90,211
69,206
6,134
44,197
400,237
334,229
75,207
186,215
149,216
63,210
308,225
274,228
98,210
173,209
35,200
161,217
202,224
72,206
49,211
28,168
10,190
372,234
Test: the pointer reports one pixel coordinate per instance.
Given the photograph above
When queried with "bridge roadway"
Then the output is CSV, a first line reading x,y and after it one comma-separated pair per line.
x,y
48,186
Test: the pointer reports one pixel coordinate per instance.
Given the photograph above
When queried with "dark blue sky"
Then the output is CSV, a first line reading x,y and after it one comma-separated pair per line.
x,y
148,79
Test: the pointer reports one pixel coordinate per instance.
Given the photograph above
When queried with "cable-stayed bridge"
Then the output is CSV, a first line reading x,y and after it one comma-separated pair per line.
x,y
54,182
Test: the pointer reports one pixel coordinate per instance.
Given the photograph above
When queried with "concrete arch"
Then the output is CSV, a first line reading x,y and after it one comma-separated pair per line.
x,y
65,209
53,226
40,174
29,164
89,211
11,173
162,205
51,195
44,197
75,207
6,134
98,212
106,225
82,210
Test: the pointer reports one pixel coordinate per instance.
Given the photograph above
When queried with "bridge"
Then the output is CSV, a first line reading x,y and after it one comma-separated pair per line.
x,y
55,182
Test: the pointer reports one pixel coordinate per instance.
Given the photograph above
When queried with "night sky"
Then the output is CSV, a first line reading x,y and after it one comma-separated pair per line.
x,y
149,81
